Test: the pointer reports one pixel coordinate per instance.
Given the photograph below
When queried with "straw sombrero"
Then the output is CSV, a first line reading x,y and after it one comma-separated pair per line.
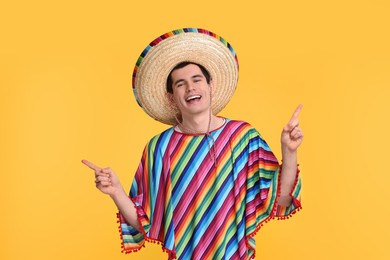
x,y
165,52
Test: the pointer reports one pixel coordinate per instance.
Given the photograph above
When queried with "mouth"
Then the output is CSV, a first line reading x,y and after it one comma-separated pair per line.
x,y
193,98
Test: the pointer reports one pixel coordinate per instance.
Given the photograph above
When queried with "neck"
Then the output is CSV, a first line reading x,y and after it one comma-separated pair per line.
x,y
200,124
197,123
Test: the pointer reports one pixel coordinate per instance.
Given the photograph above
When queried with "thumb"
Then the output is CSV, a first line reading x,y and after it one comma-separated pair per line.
x,y
107,170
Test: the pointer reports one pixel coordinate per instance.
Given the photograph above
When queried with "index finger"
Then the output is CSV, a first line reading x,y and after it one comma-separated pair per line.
x,y
296,113
91,165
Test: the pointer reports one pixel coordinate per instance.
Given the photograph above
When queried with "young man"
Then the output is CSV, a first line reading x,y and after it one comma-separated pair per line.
x,y
206,185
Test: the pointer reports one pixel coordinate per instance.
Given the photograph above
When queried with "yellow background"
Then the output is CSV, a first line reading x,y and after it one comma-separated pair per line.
x,y
65,77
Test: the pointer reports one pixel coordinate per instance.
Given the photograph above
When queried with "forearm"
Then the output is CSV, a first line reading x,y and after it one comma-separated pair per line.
x,y
291,139
126,208
289,171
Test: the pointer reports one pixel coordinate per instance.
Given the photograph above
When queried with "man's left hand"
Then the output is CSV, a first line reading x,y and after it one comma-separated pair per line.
x,y
292,135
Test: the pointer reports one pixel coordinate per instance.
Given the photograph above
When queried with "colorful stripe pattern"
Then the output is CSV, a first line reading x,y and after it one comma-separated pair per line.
x,y
201,211
172,33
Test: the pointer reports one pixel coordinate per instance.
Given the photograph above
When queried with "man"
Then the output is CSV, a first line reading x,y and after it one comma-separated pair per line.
x,y
206,185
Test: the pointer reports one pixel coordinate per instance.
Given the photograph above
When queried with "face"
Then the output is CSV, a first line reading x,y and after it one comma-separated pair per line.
x,y
191,92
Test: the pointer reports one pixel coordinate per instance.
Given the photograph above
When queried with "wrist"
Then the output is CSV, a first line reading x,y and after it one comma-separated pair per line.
x,y
288,154
118,193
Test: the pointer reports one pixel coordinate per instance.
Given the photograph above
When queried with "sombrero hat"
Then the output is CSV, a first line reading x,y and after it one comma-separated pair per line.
x,y
165,52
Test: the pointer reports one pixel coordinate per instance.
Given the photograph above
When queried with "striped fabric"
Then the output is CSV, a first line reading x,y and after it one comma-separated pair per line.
x,y
201,210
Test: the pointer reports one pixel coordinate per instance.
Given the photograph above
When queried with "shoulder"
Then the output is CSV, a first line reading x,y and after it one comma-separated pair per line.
x,y
240,126
245,133
164,134
239,132
242,130
160,140
236,123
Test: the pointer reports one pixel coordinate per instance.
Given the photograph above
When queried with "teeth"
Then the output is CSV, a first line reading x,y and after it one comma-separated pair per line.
x,y
192,97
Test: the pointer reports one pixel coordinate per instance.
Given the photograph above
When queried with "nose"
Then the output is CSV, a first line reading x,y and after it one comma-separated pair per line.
x,y
190,87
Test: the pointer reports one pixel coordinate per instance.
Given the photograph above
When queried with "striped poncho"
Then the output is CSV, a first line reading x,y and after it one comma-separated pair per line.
x,y
204,197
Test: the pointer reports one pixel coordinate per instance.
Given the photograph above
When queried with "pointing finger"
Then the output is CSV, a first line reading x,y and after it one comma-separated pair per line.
x,y
296,113
91,165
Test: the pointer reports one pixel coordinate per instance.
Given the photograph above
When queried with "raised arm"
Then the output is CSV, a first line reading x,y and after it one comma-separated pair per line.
x,y
108,183
291,139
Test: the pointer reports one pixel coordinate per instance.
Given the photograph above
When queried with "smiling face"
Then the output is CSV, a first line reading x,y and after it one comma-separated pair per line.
x,y
191,92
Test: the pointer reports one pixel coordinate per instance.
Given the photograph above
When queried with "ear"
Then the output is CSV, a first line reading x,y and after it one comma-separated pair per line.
x,y
211,87
170,97
172,105
171,101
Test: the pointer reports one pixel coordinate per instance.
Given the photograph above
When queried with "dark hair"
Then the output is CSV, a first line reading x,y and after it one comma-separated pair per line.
x,y
205,73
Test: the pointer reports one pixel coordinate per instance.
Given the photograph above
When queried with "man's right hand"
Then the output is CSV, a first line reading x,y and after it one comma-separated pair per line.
x,y
108,183
105,179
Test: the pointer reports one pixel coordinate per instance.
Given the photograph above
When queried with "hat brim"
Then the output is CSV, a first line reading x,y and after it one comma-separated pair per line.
x,y
164,53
